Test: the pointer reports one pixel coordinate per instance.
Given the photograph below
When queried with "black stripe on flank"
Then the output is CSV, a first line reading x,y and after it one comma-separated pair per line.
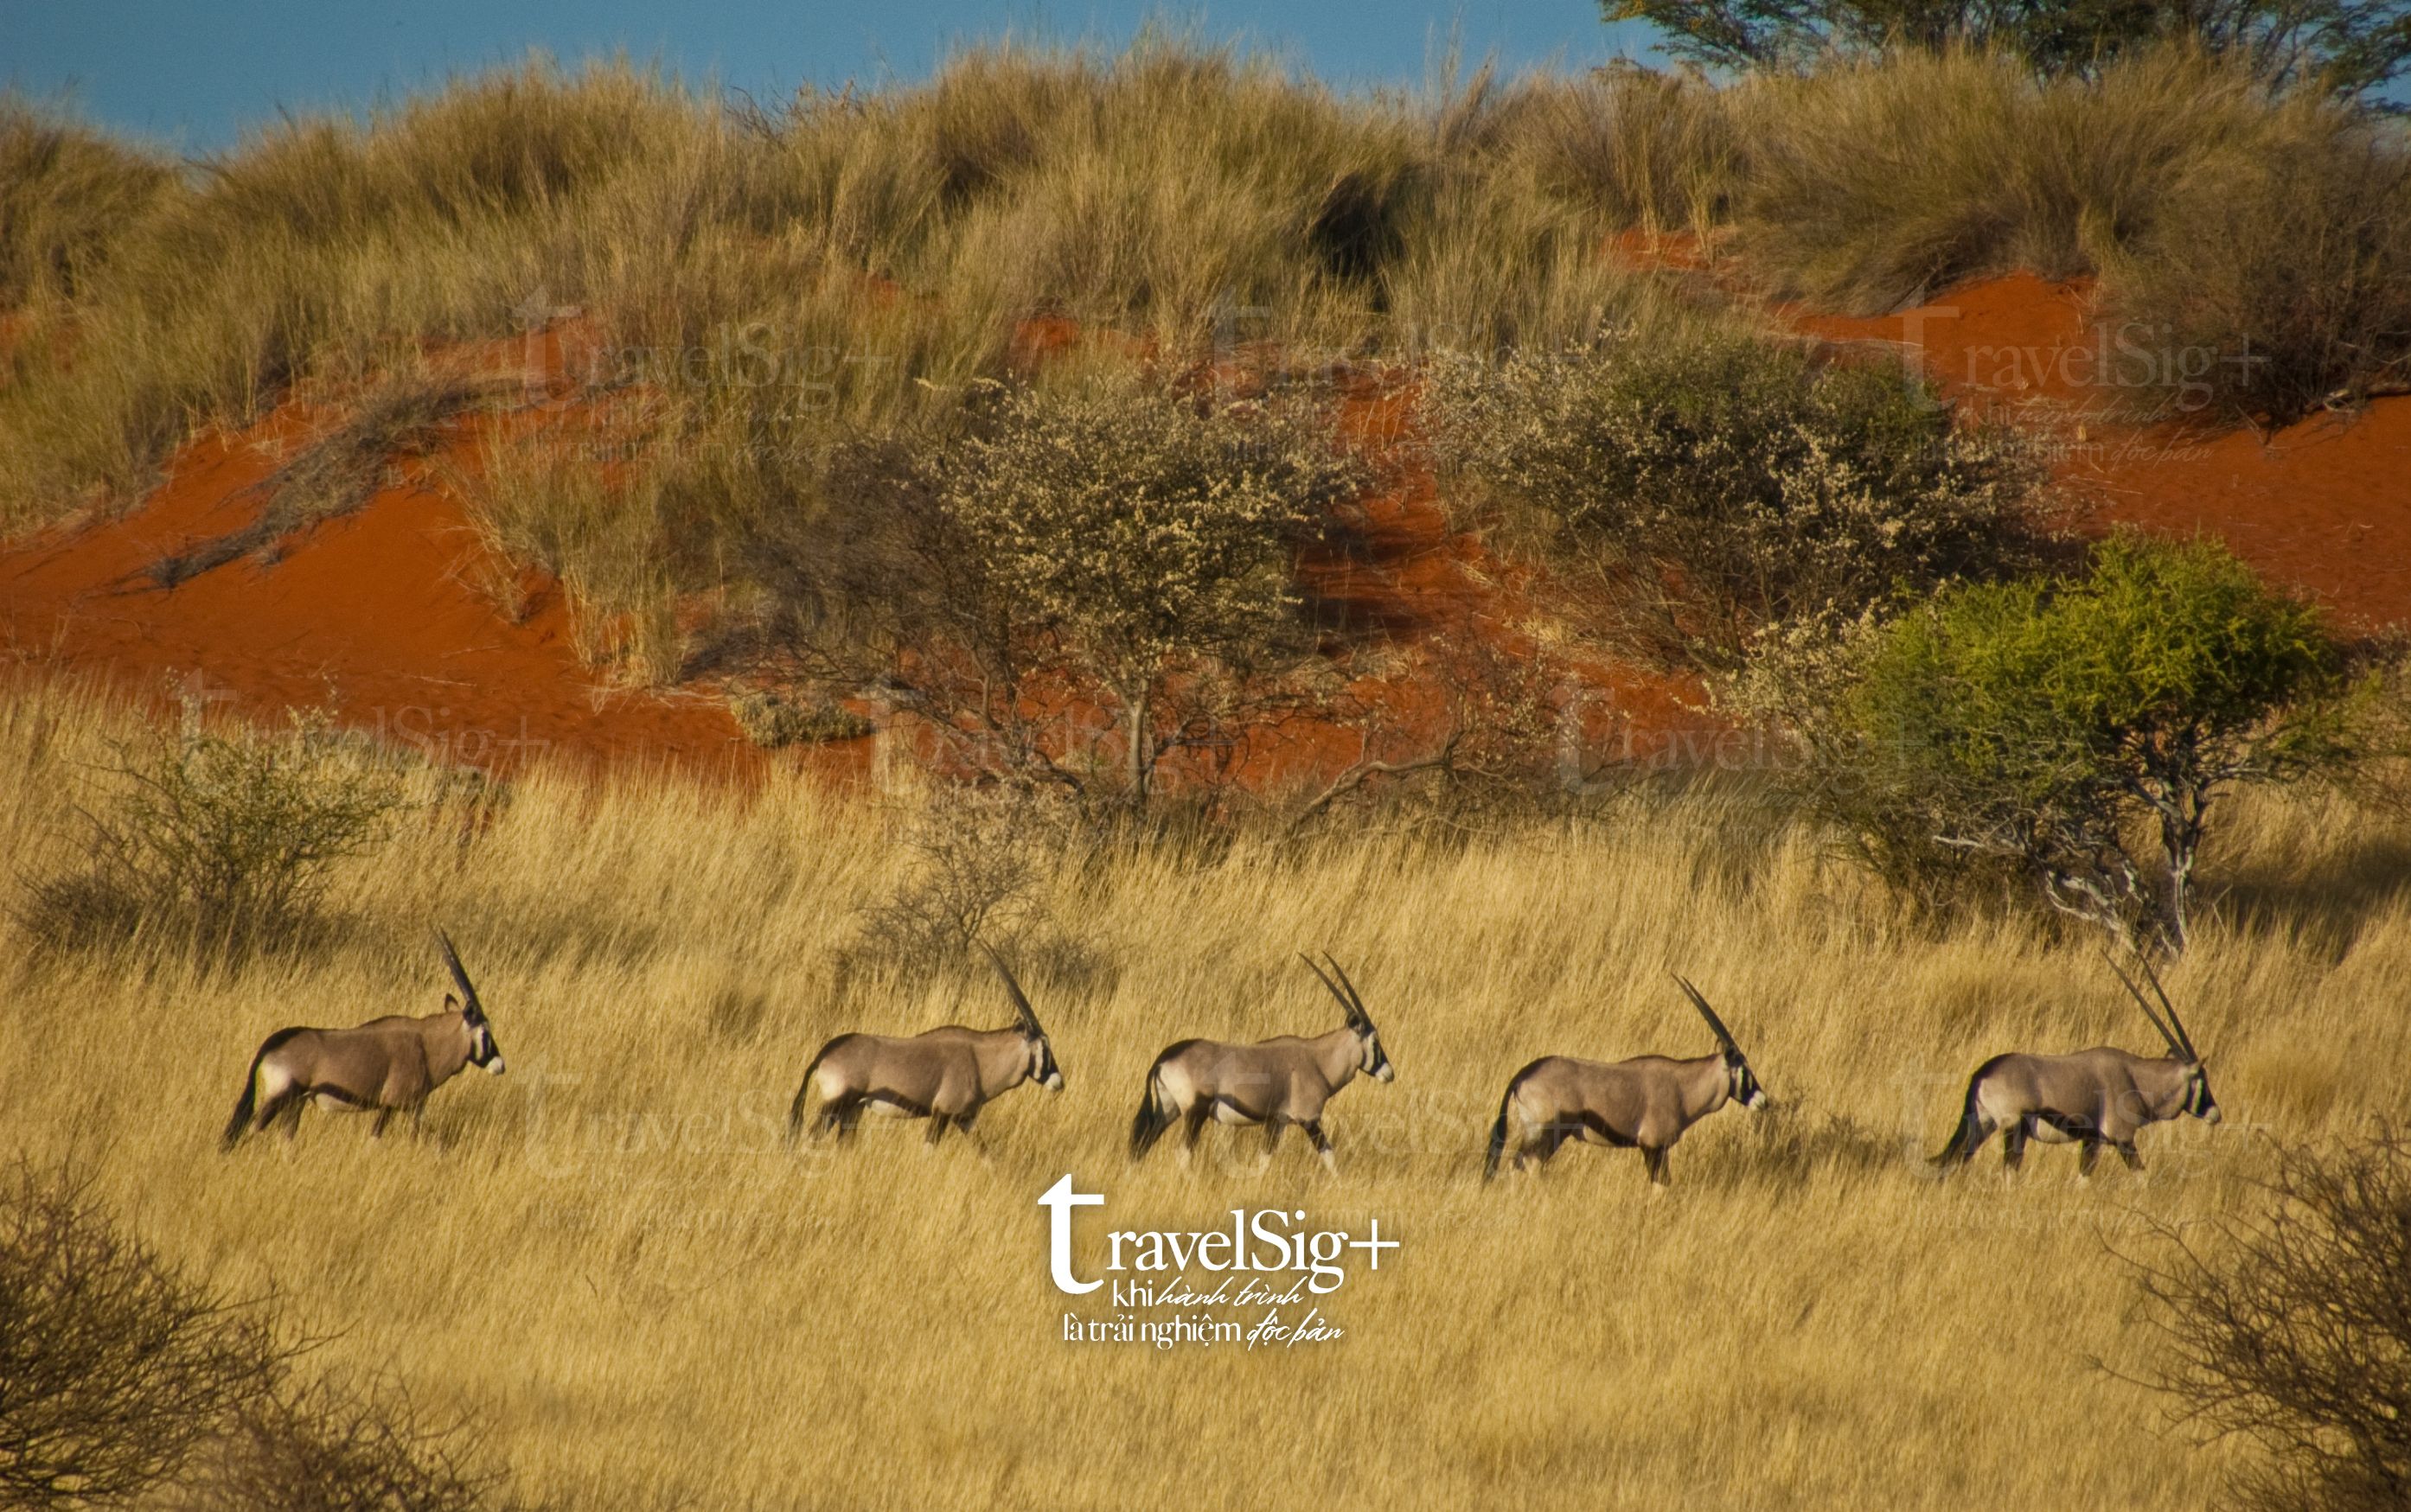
x,y
2067,1124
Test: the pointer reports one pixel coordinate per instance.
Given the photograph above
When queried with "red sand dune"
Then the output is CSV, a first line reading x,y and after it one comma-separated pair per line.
x,y
382,614
2324,505
377,614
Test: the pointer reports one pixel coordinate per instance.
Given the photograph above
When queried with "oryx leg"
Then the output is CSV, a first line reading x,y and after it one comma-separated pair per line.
x,y
2087,1153
2127,1153
1542,1144
1273,1126
289,1110
968,1124
384,1116
938,1123
1655,1160
2013,1145
1313,1128
845,1116
1192,1123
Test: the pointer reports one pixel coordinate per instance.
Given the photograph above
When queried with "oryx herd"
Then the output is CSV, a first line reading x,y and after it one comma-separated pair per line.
x,y
946,1076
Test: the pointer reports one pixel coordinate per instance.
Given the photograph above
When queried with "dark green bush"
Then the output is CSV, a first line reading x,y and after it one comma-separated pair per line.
x,y
2049,725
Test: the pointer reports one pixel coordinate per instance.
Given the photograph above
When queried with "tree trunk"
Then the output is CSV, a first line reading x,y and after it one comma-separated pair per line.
x,y
1141,765
2181,827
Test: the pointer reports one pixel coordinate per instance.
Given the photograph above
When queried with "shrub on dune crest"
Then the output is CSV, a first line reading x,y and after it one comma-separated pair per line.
x,y
1715,488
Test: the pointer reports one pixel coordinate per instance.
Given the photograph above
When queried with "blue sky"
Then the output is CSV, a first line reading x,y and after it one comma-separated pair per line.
x,y
195,74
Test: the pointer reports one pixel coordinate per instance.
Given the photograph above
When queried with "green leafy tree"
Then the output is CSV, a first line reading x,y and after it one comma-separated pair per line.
x,y
2353,47
2080,729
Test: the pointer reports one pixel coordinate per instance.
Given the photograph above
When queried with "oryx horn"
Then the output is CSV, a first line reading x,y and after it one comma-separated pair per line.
x,y
1349,1003
1020,998
459,974
2177,1040
1724,1036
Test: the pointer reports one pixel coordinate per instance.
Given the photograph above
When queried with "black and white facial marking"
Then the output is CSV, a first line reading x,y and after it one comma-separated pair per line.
x,y
483,1051
1743,1083
1370,1058
1042,1069
2197,1100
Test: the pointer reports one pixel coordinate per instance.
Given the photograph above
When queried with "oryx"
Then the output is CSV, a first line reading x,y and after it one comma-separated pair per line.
x,y
1644,1103
2093,1097
1275,1082
944,1075
387,1065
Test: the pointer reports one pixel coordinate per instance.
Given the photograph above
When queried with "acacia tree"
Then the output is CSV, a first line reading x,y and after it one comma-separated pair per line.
x,y
2049,725
1105,541
2352,46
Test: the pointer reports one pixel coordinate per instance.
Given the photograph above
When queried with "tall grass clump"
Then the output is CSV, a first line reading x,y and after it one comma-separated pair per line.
x,y
2254,237
321,248
67,195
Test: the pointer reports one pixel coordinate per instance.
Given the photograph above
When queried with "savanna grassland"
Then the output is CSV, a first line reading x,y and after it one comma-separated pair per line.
x,y
607,1263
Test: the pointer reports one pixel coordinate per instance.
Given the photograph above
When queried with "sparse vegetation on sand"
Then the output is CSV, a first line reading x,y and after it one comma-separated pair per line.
x,y
610,1244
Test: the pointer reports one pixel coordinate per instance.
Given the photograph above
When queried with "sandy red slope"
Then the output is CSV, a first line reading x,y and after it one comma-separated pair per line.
x,y
2324,505
378,614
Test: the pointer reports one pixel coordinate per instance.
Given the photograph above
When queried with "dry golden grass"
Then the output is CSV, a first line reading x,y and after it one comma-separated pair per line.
x,y
609,1259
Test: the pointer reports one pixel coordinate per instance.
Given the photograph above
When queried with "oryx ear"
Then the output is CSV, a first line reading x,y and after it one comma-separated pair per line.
x,y
451,1004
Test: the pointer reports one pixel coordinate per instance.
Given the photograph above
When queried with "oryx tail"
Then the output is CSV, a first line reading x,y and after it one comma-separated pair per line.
x,y
1971,1133
1155,1111
248,1103
803,1092
1499,1133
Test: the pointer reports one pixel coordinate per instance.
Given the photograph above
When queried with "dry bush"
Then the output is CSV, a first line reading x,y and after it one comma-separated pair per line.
x,y
1082,553
772,721
1719,487
974,860
219,842
330,1448
2290,1326
114,1364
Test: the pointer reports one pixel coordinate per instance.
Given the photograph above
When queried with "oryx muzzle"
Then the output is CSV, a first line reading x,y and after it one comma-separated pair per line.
x,y
1274,1083
1644,1103
2089,1098
944,1075
385,1066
